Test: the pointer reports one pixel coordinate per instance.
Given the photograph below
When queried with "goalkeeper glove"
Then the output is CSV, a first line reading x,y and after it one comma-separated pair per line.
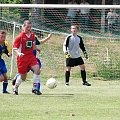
x,y
67,55
85,54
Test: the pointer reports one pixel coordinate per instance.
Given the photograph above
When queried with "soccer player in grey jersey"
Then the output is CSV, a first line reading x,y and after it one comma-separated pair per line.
x,y
71,47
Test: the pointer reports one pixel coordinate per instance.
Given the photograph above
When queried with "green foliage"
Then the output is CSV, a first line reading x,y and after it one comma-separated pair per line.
x,y
16,1
109,70
11,1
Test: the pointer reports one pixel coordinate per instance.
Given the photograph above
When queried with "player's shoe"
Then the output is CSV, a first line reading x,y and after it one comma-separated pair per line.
x,y
15,91
67,84
87,84
6,92
13,81
37,92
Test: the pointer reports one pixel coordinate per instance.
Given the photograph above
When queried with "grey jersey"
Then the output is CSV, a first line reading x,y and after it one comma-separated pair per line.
x,y
72,45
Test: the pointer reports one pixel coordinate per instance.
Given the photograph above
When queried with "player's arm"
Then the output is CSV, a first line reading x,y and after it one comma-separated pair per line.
x,y
17,52
8,49
83,48
16,46
66,44
65,47
46,39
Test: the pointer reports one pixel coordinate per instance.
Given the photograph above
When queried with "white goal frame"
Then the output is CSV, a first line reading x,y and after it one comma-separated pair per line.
x,y
60,6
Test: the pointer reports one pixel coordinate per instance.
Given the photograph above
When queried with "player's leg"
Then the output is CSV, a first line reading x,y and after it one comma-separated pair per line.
x,y
1,77
20,78
83,75
4,78
67,75
69,64
14,79
110,28
5,84
38,84
39,62
22,71
40,65
36,79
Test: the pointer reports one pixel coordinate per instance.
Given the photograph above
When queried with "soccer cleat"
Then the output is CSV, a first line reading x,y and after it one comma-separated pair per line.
x,y
37,92
15,91
6,92
67,84
87,84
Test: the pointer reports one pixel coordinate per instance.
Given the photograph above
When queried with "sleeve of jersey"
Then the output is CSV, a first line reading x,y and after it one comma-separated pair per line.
x,y
82,45
65,45
9,49
16,43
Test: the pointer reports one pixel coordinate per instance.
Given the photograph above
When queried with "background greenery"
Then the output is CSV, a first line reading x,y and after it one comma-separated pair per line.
x,y
15,1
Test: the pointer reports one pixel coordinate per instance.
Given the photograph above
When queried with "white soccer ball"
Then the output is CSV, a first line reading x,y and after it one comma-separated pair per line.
x,y
51,83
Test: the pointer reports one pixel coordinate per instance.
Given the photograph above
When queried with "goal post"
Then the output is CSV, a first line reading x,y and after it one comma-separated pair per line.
x,y
101,38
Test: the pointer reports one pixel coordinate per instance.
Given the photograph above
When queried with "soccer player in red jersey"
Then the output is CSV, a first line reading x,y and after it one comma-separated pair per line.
x,y
24,45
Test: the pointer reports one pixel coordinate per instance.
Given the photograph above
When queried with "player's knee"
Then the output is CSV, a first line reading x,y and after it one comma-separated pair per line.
x,y
68,68
5,80
23,77
2,78
82,67
37,72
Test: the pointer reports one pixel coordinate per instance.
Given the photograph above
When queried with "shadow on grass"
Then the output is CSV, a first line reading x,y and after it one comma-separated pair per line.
x,y
57,95
47,95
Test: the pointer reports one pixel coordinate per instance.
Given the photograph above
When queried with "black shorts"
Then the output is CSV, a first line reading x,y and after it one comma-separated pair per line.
x,y
71,62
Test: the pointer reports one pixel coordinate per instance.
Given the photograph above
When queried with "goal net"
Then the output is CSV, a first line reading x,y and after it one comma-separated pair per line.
x,y
98,25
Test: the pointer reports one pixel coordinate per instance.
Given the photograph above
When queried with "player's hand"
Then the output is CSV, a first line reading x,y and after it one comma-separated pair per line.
x,y
20,54
67,55
50,35
85,54
9,54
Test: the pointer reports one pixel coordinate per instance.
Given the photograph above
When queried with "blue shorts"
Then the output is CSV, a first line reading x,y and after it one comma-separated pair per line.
x,y
3,68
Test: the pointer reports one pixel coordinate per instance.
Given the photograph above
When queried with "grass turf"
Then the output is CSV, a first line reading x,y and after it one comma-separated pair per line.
x,y
76,102
98,102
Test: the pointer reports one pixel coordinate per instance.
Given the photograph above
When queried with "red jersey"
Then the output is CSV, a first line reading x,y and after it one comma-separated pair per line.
x,y
24,43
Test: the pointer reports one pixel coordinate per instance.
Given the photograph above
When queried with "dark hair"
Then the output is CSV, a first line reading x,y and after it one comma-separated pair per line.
x,y
2,32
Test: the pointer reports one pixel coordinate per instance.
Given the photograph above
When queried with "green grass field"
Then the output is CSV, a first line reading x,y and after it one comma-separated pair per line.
x,y
101,101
